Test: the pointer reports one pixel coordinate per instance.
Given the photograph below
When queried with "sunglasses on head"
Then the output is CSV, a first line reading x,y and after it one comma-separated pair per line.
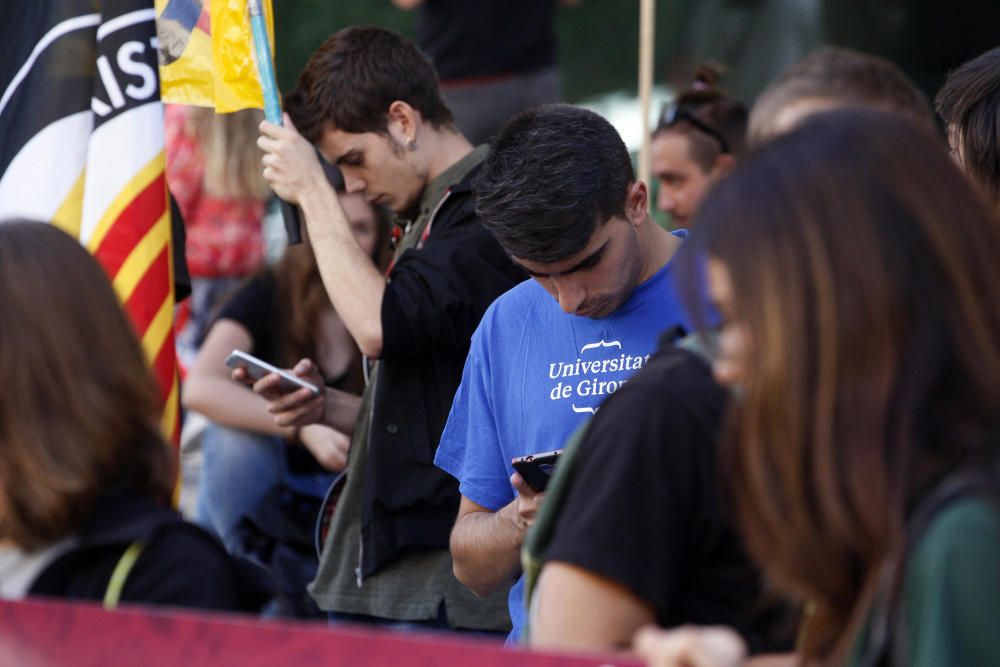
x,y
674,113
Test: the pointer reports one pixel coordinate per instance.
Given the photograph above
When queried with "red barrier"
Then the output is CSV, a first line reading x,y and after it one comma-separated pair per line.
x,y
45,633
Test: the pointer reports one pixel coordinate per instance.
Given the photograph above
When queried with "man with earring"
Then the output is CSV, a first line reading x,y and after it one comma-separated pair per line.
x,y
368,100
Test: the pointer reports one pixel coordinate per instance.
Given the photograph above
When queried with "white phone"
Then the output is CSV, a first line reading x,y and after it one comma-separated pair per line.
x,y
258,368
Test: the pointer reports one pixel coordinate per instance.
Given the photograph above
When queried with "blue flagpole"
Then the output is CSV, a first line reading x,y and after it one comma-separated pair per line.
x,y
272,105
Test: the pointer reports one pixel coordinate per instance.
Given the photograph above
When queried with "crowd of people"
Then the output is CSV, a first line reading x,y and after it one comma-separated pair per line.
x,y
779,423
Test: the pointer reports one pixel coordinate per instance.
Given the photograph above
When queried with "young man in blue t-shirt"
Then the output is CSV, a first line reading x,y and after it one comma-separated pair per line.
x,y
559,193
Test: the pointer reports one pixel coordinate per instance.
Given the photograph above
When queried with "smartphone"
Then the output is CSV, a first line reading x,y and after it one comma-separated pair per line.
x,y
257,368
537,469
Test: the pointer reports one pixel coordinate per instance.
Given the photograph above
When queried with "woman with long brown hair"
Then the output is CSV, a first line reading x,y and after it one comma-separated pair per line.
x,y
85,476
282,315
858,274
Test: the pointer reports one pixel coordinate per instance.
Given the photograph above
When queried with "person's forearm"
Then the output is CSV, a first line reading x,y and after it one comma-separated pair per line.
x,y
352,280
231,405
581,610
486,549
341,410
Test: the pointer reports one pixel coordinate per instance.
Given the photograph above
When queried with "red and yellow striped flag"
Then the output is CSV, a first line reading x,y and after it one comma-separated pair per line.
x,y
82,146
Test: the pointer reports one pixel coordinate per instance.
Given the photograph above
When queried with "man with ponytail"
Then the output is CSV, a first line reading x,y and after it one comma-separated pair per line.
x,y
698,139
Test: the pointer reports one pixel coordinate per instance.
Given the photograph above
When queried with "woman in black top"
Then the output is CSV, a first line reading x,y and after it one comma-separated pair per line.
x,y
281,315
85,476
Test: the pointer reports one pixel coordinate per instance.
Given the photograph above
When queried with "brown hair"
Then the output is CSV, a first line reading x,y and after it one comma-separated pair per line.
x,y
79,412
969,104
842,77
302,298
864,268
353,77
714,113
232,158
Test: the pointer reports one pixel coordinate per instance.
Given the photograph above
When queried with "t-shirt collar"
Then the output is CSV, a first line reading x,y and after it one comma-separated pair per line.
x,y
455,173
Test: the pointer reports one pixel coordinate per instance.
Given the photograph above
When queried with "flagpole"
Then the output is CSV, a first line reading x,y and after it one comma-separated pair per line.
x,y
272,105
646,24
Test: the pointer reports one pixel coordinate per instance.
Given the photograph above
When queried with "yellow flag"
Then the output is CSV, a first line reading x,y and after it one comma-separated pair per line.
x,y
206,53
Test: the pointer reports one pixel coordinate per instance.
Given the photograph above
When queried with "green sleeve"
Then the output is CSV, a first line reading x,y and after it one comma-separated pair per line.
x,y
951,595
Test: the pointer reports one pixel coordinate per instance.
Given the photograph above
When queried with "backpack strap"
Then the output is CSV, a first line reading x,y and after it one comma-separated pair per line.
x,y
113,593
703,344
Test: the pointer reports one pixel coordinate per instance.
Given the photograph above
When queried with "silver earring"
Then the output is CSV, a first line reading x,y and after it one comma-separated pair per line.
x,y
411,145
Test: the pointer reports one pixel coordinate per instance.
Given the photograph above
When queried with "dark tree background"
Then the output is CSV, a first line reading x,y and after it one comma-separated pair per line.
x,y
753,39
598,40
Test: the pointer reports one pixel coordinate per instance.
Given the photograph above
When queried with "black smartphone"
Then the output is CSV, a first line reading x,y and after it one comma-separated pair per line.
x,y
537,469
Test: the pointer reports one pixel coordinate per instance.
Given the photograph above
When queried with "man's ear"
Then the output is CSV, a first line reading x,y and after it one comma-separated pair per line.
x,y
403,122
724,163
637,203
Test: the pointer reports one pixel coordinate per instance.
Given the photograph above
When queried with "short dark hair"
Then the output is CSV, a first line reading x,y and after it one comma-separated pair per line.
x,y
969,103
554,173
845,77
353,77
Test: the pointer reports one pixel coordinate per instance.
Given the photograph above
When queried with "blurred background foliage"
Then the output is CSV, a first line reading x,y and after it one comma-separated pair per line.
x,y
598,41
753,39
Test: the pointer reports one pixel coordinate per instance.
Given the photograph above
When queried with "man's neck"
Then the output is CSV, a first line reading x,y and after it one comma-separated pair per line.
x,y
444,148
659,246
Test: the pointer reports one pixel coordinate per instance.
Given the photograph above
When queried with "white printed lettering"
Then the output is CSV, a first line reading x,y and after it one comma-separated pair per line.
x,y
129,65
110,83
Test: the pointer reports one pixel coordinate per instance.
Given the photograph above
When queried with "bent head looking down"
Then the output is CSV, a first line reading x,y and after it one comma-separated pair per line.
x,y
559,193
833,78
369,100
863,332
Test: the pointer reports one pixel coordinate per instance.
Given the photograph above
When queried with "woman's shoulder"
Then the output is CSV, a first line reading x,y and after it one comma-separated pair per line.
x,y
261,284
251,300
165,560
183,565
952,587
969,525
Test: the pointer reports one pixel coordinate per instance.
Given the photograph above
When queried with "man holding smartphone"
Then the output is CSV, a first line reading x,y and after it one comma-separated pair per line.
x,y
559,193
369,100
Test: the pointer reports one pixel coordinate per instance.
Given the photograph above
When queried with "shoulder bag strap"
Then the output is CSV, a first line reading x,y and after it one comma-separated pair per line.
x,y
113,593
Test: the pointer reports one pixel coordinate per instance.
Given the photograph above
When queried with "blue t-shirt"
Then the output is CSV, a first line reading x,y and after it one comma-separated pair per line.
x,y
534,374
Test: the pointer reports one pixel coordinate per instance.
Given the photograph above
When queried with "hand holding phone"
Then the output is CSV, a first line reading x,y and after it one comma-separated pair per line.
x,y
258,368
537,469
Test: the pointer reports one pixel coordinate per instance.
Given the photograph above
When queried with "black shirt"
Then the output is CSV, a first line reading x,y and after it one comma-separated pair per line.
x,y
483,38
252,305
180,565
644,509
432,304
